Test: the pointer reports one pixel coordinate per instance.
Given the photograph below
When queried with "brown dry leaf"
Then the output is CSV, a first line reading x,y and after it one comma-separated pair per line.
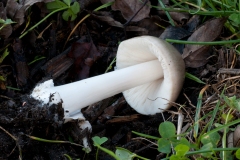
x,y
15,12
129,8
84,54
151,25
29,3
173,32
178,33
230,140
106,17
196,55
177,16
143,31
193,23
22,70
2,85
6,31
236,137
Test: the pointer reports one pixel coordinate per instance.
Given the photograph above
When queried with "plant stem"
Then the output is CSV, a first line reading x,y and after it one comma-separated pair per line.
x,y
140,157
167,13
224,138
203,43
110,65
88,15
223,126
213,149
30,29
108,152
197,115
97,153
145,135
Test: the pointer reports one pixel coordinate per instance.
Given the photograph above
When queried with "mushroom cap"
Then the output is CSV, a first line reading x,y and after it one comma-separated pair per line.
x,y
153,97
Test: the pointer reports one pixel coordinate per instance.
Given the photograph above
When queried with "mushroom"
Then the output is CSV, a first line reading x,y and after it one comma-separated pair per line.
x,y
150,73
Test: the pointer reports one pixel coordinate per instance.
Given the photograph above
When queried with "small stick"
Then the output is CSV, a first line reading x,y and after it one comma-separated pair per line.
x,y
229,71
15,139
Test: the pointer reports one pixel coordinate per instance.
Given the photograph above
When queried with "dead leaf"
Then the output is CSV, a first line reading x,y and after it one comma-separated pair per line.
x,y
196,55
6,31
230,140
57,65
178,33
177,16
106,17
130,8
2,85
236,137
29,3
20,63
193,23
15,12
151,25
173,32
84,54
137,29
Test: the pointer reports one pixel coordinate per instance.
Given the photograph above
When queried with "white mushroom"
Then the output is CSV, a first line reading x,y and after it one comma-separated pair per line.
x,y
150,73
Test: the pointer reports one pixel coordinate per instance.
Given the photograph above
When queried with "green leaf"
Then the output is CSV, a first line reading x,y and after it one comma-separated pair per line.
x,y
69,15
207,146
164,145
99,141
9,21
124,154
238,154
227,117
75,7
67,2
66,15
176,157
212,138
55,5
182,141
2,78
232,102
229,155
73,17
4,55
194,78
181,149
167,129
87,150
235,19
2,21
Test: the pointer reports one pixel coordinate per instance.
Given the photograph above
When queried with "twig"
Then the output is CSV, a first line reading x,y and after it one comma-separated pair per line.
x,y
229,71
16,140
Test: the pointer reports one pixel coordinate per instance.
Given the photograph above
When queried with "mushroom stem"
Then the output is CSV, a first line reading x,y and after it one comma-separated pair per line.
x,y
78,95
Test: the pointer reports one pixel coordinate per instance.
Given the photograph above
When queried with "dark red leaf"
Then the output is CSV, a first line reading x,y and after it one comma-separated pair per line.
x,y
84,54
